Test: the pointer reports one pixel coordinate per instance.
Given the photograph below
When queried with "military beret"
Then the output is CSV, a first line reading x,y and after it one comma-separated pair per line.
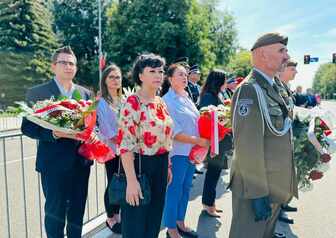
x,y
270,39
291,63
182,60
194,69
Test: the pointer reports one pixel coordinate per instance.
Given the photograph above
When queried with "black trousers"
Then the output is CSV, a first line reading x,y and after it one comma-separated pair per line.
x,y
65,197
145,221
212,176
111,168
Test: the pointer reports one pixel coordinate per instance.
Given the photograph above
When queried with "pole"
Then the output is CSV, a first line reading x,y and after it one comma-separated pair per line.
x,y
99,39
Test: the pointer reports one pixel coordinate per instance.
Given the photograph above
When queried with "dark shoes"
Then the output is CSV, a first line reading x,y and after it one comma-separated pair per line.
x,y
116,228
197,171
288,208
190,234
215,215
286,220
279,235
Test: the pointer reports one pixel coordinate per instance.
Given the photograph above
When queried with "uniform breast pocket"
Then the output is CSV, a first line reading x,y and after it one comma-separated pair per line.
x,y
276,115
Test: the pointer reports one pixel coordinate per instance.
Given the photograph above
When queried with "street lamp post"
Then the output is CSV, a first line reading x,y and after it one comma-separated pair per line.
x,y
99,39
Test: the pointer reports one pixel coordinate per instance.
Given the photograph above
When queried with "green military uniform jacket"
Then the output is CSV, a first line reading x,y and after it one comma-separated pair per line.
x,y
263,162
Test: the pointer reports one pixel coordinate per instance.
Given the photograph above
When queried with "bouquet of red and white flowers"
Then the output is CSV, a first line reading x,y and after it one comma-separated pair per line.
x,y
75,117
213,124
313,145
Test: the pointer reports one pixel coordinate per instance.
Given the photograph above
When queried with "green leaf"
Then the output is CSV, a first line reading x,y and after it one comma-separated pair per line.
x,y
61,98
76,95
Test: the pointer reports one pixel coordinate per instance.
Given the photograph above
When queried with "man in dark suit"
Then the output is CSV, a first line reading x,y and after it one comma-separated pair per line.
x,y
64,173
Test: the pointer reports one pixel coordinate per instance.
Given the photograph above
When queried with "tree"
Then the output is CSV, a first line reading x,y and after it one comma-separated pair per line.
x,y
223,33
76,23
26,44
240,63
325,80
171,28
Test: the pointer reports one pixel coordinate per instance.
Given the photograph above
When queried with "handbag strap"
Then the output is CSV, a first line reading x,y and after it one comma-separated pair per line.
x,y
138,143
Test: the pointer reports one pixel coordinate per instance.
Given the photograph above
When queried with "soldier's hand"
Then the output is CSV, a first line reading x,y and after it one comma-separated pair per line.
x,y
261,208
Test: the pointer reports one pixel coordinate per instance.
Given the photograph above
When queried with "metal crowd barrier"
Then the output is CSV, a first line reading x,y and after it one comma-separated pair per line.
x,y
21,199
9,123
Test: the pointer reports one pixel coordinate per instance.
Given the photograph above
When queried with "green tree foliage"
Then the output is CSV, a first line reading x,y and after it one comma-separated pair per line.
x,y
26,44
76,24
240,63
171,28
325,80
223,34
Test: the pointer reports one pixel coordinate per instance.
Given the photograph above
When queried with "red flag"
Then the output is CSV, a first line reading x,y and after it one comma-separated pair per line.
x,y
102,62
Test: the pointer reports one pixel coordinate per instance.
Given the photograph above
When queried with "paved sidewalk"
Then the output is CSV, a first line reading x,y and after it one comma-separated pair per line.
x,y
316,217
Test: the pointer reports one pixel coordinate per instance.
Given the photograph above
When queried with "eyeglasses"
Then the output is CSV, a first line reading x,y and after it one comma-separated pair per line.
x,y
114,77
65,63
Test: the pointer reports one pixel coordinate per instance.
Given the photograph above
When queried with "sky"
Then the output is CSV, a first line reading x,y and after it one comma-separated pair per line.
x,y
309,24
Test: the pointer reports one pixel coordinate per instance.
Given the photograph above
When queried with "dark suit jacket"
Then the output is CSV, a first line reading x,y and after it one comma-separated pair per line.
x,y
225,145
53,155
193,92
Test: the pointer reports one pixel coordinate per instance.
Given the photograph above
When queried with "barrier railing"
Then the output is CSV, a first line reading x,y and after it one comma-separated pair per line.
x,y
21,199
8,122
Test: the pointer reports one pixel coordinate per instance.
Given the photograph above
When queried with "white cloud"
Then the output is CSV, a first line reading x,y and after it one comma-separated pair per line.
x,y
287,29
331,32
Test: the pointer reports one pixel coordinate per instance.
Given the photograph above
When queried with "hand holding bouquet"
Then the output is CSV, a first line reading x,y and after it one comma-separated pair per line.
x,y
73,119
213,124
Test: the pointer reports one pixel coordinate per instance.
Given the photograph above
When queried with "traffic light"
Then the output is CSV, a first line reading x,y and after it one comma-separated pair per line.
x,y
334,58
306,59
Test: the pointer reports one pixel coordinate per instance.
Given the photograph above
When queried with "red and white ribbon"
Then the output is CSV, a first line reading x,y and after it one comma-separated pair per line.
x,y
214,146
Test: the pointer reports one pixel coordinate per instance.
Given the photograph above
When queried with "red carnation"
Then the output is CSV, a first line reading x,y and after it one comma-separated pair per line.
x,y
161,151
55,113
315,175
132,130
327,132
149,139
325,158
152,123
82,103
167,130
323,125
142,116
69,105
133,100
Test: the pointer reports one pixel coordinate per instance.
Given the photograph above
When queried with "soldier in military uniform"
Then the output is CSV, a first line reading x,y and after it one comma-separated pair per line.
x,y
285,76
262,174
193,88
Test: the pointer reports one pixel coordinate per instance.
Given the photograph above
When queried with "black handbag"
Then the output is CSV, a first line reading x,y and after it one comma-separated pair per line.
x,y
118,184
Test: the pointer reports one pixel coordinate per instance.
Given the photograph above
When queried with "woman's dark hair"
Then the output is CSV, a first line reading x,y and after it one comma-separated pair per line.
x,y
169,73
103,87
214,81
143,61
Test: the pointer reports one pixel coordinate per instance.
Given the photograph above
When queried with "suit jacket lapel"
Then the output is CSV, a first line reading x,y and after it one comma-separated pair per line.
x,y
53,88
268,88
